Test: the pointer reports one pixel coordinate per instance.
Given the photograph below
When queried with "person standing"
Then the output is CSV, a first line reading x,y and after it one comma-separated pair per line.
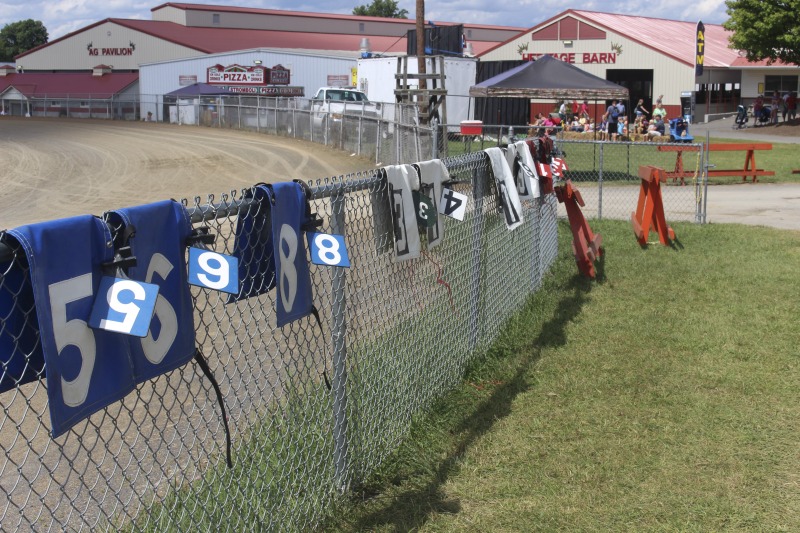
x,y
584,111
640,110
613,120
791,105
776,104
562,112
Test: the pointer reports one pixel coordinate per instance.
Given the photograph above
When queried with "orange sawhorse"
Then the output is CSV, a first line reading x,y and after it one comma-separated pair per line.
x,y
586,245
679,173
750,168
650,209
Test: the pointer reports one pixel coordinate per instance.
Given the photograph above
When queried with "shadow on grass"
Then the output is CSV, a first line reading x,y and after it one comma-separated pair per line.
x,y
412,508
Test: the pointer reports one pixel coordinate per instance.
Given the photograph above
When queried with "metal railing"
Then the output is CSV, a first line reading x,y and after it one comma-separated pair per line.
x,y
313,408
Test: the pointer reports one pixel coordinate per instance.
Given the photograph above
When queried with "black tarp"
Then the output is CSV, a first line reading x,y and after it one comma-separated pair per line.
x,y
198,89
508,111
551,79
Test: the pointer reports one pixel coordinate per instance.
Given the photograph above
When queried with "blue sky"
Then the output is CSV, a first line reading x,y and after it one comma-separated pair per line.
x,y
64,16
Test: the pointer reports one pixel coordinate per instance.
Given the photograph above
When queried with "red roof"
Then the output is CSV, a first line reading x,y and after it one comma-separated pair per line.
x,y
673,38
220,40
63,84
306,14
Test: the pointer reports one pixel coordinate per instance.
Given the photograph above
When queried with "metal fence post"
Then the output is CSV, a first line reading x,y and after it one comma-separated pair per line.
x,y
600,185
435,143
477,236
339,332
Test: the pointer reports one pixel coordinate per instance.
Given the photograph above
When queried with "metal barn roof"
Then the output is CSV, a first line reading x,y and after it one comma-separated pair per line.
x,y
63,84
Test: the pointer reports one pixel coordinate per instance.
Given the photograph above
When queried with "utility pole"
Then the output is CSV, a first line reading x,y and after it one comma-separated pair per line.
x,y
421,53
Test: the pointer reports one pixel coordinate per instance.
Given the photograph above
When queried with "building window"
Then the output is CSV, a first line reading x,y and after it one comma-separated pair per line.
x,y
215,19
781,84
55,103
360,27
84,104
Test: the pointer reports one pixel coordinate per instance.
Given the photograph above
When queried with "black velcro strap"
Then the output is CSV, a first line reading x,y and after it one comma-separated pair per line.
x,y
201,361
325,365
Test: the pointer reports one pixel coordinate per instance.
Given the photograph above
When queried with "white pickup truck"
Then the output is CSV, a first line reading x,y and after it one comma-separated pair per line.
x,y
330,104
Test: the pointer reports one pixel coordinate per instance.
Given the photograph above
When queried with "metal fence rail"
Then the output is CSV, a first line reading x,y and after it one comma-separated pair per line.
x,y
313,408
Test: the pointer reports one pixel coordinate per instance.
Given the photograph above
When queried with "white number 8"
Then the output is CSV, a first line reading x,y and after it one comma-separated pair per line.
x,y
288,271
328,249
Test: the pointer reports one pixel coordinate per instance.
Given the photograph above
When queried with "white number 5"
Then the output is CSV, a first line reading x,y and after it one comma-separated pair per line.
x,y
73,332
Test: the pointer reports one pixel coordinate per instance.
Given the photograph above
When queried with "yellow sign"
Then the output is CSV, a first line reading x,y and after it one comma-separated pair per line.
x,y
354,76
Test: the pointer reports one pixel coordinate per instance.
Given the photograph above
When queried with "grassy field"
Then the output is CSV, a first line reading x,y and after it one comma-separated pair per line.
x,y
663,397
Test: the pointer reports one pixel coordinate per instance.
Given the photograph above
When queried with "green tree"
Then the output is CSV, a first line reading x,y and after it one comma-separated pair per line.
x,y
381,8
21,36
765,30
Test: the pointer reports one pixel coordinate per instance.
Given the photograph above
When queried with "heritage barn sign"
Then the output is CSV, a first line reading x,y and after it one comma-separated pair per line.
x,y
586,58
248,76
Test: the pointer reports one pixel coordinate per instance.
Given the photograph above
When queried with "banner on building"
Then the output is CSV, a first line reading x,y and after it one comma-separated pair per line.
x,y
700,49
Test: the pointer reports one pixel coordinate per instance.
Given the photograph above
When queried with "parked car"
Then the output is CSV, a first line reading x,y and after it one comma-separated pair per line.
x,y
332,103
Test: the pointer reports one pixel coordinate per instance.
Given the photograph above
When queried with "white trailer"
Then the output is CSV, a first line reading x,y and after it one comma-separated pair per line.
x,y
376,77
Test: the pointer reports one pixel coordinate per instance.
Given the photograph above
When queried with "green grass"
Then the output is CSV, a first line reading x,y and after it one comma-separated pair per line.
x,y
782,159
663,397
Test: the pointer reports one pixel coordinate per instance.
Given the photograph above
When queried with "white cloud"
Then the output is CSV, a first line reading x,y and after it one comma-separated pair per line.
x,y
64,16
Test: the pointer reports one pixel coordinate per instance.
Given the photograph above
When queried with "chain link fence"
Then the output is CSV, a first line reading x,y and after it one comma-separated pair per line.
x,y
313,408
607,173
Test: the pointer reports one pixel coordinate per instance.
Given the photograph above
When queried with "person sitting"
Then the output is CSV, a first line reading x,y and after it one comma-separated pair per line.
x,y
588,127
575,125
656,128
637,125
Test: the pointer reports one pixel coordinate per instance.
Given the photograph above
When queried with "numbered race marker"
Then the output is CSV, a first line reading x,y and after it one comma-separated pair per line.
x,y
124,306
426,211
213,271
453,204
328,250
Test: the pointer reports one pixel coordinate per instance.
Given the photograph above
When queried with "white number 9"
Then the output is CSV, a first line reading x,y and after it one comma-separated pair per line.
x,y
220,271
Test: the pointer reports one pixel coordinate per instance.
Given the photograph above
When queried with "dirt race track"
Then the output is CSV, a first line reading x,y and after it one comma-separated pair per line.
x,y
54,168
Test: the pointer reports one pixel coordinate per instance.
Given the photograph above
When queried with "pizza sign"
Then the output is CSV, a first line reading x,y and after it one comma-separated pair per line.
x,y
279,75
237,74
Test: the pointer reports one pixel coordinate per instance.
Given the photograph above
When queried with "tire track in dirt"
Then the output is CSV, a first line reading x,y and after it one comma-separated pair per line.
x,y
55,168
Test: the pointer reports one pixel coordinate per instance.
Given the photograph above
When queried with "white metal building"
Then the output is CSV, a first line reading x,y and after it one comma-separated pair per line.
x,y
308,71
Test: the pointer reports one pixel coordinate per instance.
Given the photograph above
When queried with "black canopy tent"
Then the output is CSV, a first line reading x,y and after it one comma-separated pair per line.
x,y
549,78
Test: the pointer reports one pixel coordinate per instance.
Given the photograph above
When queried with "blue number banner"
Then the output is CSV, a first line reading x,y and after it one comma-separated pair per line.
x,y
289,214
158,242
272,252
253,246
86,369
21,357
